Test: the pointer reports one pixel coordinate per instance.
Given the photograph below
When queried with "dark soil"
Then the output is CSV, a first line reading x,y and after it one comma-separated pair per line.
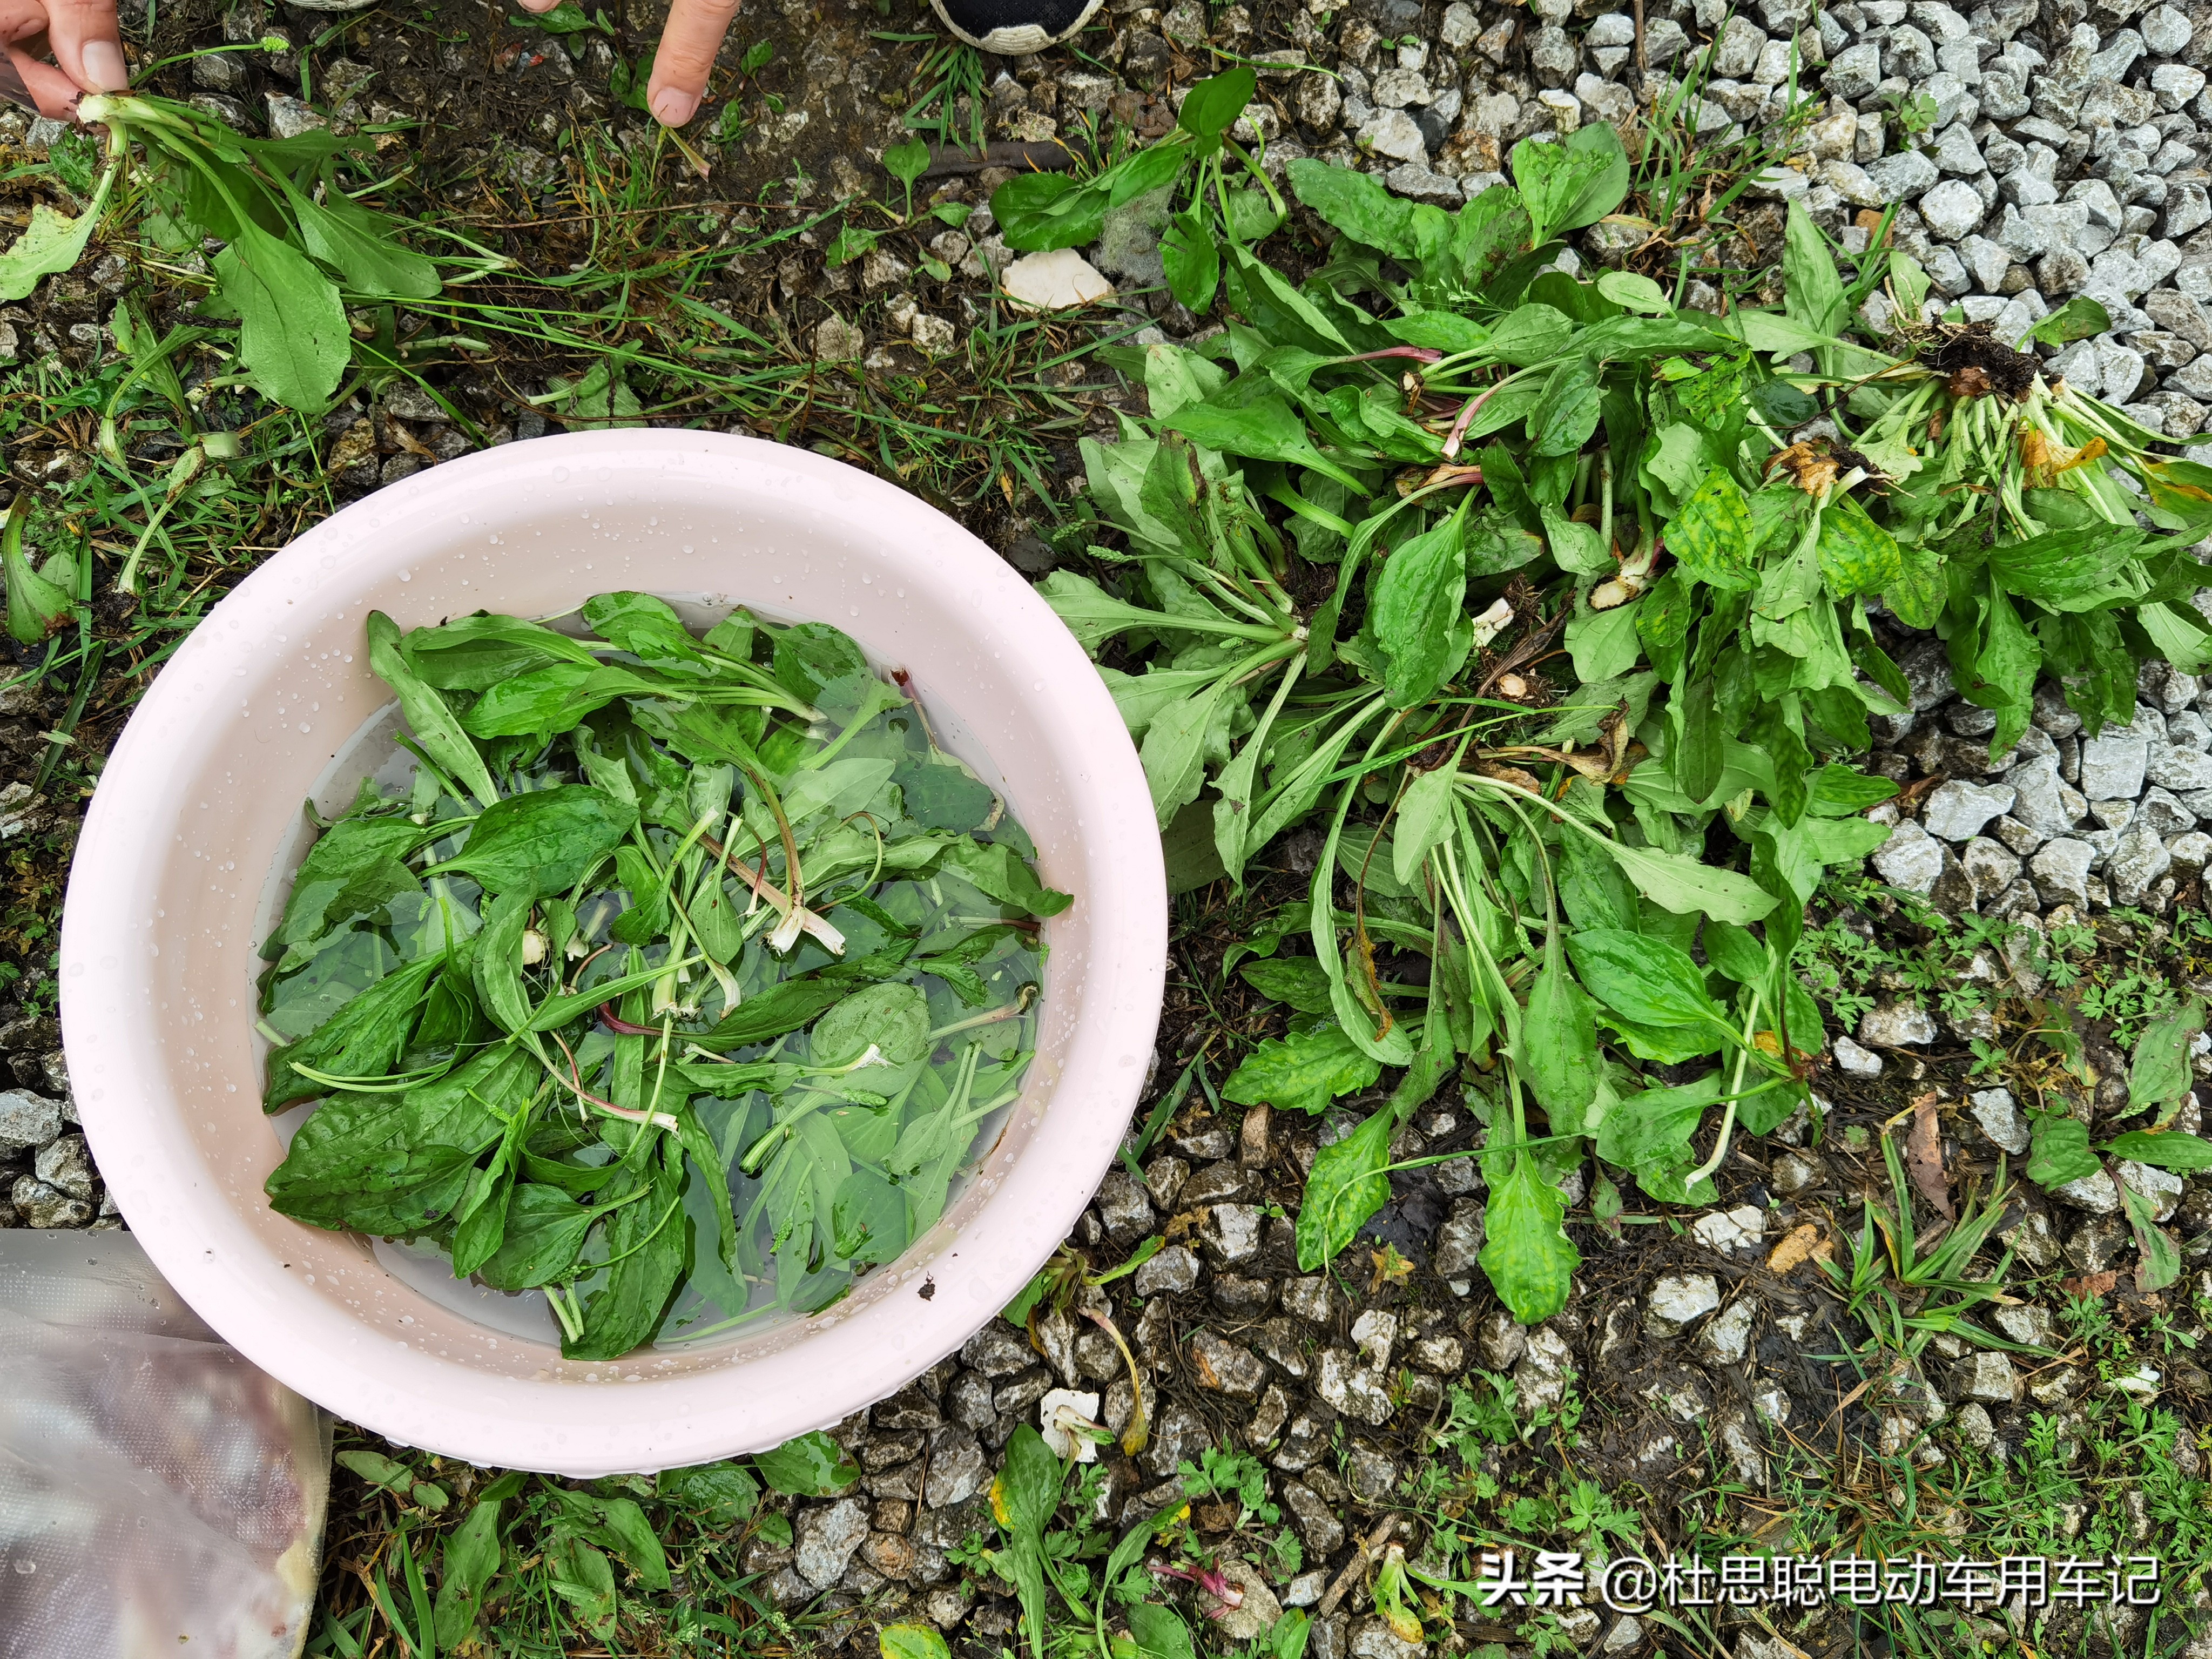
x,y
1979,365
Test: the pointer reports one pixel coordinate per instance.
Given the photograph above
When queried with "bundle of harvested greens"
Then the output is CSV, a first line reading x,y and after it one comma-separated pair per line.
x,y
551,995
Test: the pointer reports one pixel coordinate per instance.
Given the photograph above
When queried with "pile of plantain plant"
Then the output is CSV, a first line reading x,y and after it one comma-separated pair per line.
x,y
1550,601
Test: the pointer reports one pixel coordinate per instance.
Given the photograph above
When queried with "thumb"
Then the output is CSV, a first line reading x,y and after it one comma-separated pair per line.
x,y
686,56
87,44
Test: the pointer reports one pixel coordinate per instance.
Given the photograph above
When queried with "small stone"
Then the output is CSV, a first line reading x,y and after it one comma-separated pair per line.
x,y
1678,1300
2093,1192
1990,865
2163,813
66,1166
1256,1612
895,1557
1956,811
1542,1376
1353,1388
2165,31
2113,764
957,1469
2028,1325
1310,1299
28,1121
1373,1334
1855,1062
1911,860
1793,1172
1739,1228
1224,1366
836,340
1735,54
1999,1116
1725,1336
1231,1233
41,1206
1372,1638
1503,1340
2162,1187
1013,1398
1124,1207
827,1539
1417,181
1952,209
1371,1476
1053,281
1392,133
1989,1376
1854,72
1394,88
2138,861
1317,1526
1442,1355
969,1401
1163,1179
2175,84
2190,852
1896,1025
1956,152
997,1350
1283,1344
1268,1418
1216,1183
1905,177
1459,1241
2180,314
1179,1435
1319,102
2061,869
290,119
1553,57
2172,766
1173,1272
882,269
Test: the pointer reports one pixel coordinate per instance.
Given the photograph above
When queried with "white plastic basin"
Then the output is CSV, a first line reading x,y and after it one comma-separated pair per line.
x,y
172,881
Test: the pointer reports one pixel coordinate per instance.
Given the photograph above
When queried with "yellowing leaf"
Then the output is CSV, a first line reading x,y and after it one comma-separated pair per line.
x,y
1858,555
1710,537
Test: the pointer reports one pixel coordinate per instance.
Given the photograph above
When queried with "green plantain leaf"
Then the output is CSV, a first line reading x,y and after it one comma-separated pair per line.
x,y
1345,1187
1302,1071
1529,1258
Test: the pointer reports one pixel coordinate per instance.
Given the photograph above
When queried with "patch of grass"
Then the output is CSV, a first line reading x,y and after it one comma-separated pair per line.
x,y
428,1556
1690,189
949,94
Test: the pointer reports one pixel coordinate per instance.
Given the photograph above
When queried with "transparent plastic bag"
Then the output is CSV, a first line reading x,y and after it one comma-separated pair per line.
x,y
158,1493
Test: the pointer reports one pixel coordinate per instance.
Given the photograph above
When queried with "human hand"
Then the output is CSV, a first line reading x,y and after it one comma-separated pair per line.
x,y
680,66
81,36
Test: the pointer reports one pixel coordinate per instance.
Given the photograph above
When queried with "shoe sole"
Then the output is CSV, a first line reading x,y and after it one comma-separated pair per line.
x,y
1014,39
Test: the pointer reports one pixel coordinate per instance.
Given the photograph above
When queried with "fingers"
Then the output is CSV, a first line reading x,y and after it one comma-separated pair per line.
x,y
87,45
55,92
686,56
